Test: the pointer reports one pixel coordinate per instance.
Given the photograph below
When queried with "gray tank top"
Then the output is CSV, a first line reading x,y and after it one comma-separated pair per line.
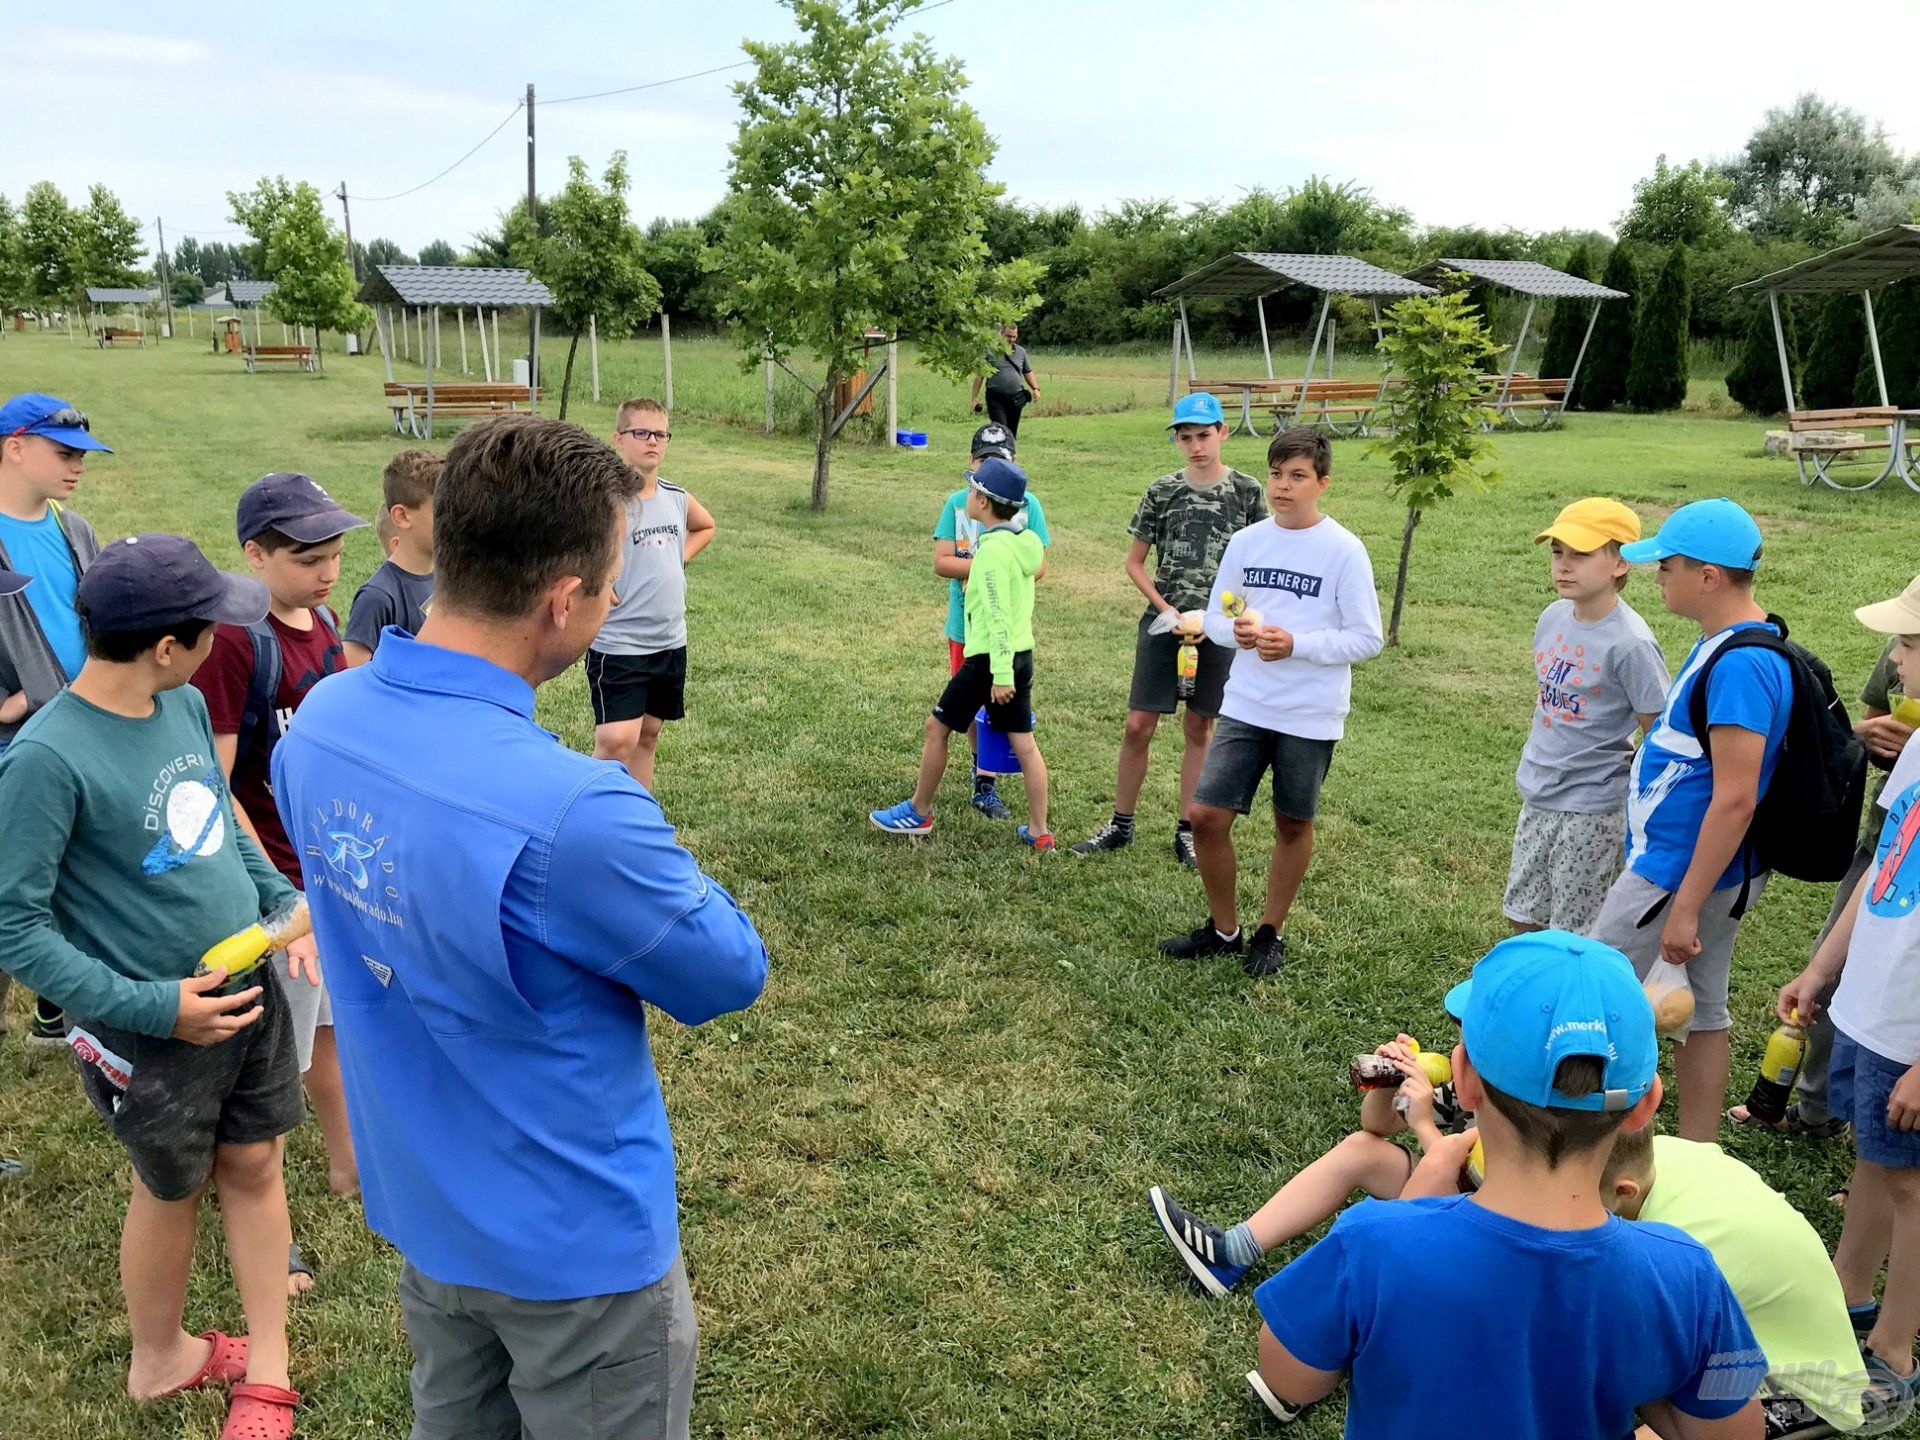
x,y
652,611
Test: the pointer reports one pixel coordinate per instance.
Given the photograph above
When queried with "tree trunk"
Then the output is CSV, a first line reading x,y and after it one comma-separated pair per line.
x,y
1400,580
566,376
823,415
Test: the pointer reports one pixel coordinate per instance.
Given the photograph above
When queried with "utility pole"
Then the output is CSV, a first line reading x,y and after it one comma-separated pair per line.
x,y
353,255
166,276
533,225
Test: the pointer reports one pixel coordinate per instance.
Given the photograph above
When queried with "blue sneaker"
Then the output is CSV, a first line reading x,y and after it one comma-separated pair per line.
x,y
1888,1391
1199,1243
1042,843
986,799
901,819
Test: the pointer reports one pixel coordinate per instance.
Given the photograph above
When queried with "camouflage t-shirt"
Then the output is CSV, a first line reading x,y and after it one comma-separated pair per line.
x,y
1190,525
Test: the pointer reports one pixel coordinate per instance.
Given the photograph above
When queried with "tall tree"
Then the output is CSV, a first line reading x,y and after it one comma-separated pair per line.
x,y
257,211
382,251
304,256
1807,166
1679,205
1657,375
590,259
106,240
13,270
47,235
188,288
1753,382
1834,359
1568,327
860,197
1437,346
1603,379
1896,312
438,252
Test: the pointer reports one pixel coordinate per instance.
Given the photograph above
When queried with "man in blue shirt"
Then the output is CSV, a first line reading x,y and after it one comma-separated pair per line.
x,y
1689,804
1561,1320
495,912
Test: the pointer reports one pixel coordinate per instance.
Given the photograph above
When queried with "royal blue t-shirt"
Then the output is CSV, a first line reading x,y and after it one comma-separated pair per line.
x,y
39,548
1672,777
1457,1322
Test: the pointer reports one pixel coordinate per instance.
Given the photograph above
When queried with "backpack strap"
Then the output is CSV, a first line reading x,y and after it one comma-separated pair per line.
x,y
257,723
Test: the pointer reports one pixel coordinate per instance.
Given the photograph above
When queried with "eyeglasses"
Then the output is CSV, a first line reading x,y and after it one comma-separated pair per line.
x,y
67,419
644,434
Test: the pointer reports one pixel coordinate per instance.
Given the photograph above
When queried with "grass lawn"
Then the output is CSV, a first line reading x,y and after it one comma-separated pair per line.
x,y
914,1175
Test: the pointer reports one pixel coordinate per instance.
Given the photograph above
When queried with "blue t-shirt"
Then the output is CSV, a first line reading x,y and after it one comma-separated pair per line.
x,y
965,534
1672,777
39,548
1548,1334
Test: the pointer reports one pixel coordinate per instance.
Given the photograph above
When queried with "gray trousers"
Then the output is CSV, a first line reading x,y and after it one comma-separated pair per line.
x,y
1810,1092
611,1367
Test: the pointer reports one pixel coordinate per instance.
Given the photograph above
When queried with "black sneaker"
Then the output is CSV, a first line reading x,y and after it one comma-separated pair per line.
x,y
1275,1406
1109,836
1199,1243
1183,850
1203,944
1267,953
49,1027
986,799
1788,1417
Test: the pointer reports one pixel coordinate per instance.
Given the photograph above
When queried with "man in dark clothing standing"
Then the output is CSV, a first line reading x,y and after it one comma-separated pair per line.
x,y
1011,384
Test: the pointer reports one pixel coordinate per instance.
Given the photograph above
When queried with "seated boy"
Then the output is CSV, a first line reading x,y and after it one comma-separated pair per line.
x,y
1561,1319
998,669
124,862
400,590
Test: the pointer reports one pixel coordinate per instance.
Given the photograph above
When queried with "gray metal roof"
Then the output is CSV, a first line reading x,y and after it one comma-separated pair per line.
x,y
108,295
453,285
1529,277
1247,274
248,292
1877,260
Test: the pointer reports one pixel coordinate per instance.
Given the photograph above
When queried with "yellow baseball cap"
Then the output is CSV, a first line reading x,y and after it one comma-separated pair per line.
x,y
1588,524
1898,616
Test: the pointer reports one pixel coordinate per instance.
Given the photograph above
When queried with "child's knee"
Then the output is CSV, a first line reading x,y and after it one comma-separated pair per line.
x,y
1291,831
936,730
248,1169
616,742
1197,728
1140,725
1904,1185
1212,822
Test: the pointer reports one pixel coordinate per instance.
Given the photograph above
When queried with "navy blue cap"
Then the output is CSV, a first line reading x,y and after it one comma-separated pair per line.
x,y
296,506
12,582
1001,480
146,581
49,417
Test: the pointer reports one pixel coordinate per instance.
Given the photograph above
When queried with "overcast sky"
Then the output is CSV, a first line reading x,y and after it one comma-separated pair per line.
x,y
1490,112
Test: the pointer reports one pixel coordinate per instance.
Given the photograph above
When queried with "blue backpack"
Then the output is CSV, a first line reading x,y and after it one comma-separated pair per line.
x,y
259,721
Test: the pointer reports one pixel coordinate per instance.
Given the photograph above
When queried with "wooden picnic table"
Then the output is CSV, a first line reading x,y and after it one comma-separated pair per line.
x,y
1815,461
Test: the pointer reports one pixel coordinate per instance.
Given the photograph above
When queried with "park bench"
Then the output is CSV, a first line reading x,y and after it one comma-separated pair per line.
x,y
117,337
407,401
258,355
1345,407
1817,447
1271,396
1529,402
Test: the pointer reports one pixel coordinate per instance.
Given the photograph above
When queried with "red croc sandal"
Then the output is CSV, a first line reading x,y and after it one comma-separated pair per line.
x,y
226,1362
260,1412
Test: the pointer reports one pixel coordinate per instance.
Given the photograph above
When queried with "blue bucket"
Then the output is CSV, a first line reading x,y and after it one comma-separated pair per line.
x,y
996,751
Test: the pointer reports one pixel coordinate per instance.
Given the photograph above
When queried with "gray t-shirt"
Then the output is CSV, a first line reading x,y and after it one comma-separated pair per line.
x,y
1010,368
1594,678
391,596
652,613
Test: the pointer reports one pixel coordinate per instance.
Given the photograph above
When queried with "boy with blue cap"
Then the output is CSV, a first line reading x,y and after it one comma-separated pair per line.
x,y
998,667
1692,797
44,443
1563,1320
1187,516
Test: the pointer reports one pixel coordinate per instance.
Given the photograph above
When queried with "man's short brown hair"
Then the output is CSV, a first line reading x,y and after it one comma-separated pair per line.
x,y
410,477
638,405
1301,442
522,501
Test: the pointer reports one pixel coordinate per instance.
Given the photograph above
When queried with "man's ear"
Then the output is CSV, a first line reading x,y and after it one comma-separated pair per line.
x,y
562,595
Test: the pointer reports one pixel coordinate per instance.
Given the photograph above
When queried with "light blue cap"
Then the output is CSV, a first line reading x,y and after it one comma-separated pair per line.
x,y
1713,532
1200,409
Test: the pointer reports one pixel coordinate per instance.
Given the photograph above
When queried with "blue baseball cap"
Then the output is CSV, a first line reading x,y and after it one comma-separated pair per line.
x,y
1714,532
295,505
1001,480
1200,409
147,581
12,582
1538,999
51,418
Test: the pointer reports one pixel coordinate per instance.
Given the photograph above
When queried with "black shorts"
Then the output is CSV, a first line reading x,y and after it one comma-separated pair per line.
x,y
1156,677
1241,754
972,686
171,1104
627,687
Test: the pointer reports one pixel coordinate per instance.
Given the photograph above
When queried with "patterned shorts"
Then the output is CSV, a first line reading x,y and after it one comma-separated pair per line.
x,y
1563,866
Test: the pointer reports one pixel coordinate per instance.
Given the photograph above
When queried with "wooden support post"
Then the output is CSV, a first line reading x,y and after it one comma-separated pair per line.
x,y
593,353
893,392
533,374
666,360
427,357
480,329
460,319
500,371
438,358
767,366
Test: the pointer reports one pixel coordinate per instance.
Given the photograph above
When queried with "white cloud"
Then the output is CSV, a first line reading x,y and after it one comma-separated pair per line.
x,y
114,47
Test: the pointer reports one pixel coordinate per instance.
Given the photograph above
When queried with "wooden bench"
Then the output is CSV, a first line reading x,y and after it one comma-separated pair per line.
x,y
407,401
1270,395
258,355
1344,407
1815,456
1527,401
109,337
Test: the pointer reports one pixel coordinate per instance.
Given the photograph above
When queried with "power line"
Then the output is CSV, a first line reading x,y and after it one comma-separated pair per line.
x,y
656,84
377,199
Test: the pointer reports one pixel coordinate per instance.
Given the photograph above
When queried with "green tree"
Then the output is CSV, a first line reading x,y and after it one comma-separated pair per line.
x,y
1568,327
1838,350
1679,205
860,197
1807,166
438,252
106,241
1896,312
382,251
47,250
1753,382
257,211
590,260
678,256
188,288
513,243
1657,375
1437,347
13,270
304,256
1603,379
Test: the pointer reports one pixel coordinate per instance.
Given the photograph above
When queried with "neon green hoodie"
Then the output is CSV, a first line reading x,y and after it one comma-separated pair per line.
x,y
1000,597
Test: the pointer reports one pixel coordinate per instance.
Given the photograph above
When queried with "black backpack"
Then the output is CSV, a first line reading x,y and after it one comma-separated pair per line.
x,y
1807,823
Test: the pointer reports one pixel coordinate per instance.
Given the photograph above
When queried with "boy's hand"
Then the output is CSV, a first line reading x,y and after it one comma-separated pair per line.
x,y
1274,643
1001,694
1884,736
205,1019
1903,1105
303,959
1416,1094
1245,633
13,709
1801,994
1680,939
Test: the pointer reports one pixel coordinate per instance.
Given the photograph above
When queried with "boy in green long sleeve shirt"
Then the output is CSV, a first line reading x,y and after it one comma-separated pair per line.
x,y
998,667
123,863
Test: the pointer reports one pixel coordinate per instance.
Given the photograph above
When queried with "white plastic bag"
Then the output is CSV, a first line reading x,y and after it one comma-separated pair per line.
x,y
1666,986
1168,621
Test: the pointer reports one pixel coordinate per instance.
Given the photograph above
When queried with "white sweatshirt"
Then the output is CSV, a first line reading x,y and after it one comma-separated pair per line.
x,y
1316,583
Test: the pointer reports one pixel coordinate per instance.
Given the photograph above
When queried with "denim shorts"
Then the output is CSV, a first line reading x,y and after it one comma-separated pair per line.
x,y
1241,754
1859,1081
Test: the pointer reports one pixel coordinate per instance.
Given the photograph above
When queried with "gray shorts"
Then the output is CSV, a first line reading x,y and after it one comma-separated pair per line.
x,y
1563,864
1241,754
610,1367
1156,678
1619,926
308,1007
